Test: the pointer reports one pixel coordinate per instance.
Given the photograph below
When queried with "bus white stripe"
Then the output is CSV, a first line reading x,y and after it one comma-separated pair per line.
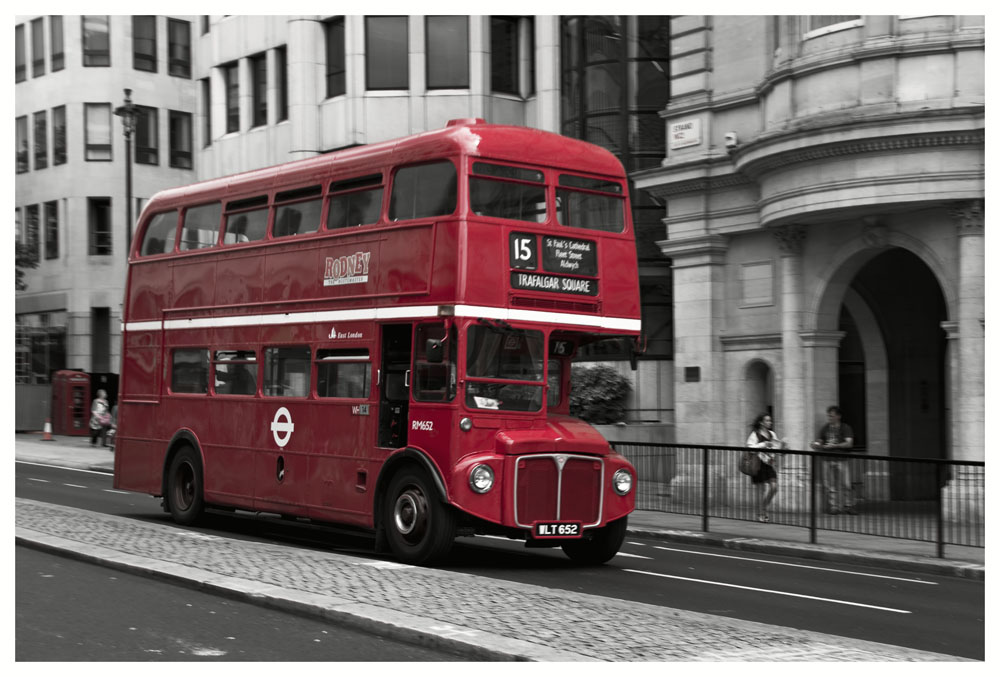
x,y
402,312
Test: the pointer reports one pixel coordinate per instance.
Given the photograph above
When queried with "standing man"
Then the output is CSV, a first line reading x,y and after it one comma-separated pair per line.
x,y
837,436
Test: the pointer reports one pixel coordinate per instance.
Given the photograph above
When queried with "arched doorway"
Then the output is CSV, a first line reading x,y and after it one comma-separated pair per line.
x,y
901,307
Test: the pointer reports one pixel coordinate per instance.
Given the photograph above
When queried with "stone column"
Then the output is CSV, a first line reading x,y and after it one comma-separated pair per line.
x,y
964,491
699,371
821,349
792,416
306,84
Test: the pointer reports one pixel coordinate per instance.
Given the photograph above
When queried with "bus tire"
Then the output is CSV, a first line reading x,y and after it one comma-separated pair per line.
x,y
419,528
602,546
185,486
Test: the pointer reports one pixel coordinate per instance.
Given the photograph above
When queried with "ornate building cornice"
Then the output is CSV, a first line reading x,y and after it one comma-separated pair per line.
x,y
876,144
790,238
751,342
969,217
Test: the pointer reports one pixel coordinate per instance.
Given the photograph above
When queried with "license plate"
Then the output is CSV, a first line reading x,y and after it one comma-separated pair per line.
x,y
558,530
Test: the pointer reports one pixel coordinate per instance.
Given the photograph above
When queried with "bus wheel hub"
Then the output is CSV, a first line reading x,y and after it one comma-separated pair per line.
x,y
410,512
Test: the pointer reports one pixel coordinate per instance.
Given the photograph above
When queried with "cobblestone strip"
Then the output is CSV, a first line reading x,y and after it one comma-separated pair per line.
x,y
593,627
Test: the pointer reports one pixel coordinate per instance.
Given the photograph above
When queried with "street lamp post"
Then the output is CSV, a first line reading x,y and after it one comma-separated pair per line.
x,y
128,114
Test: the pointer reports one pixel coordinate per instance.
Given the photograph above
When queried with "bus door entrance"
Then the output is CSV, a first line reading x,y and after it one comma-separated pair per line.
x,y
394,385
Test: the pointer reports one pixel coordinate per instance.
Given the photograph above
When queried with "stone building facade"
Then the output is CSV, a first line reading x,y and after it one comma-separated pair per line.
x,y
824,183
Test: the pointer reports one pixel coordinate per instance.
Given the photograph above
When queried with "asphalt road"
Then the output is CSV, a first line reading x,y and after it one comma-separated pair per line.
x,y
67,610
939,614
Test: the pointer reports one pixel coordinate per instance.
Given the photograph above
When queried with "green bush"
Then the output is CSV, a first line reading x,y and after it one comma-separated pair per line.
x,y
597,394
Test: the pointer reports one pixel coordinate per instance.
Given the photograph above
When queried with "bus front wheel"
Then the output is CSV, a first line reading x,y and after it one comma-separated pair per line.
x,y
420,528
184,487
602,546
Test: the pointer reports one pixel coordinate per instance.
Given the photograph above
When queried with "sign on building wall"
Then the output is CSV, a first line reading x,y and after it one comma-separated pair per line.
x,y
685,133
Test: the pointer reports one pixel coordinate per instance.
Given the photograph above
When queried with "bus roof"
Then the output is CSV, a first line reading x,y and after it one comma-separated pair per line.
x,y
471,136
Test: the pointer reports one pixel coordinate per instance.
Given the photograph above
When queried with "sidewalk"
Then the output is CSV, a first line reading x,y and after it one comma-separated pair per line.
x,y
481,618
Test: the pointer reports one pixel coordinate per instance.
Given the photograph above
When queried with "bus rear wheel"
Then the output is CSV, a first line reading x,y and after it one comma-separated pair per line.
x,y
420,528
184,487
602,546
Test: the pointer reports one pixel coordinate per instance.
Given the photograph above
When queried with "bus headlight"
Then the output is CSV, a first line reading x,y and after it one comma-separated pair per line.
x,y
481,478
622,481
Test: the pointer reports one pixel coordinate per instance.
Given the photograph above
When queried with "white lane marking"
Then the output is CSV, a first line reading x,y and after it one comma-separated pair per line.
x,y
800,566
115,491
771,592
628,554
62,467
637,543
36,479
75,486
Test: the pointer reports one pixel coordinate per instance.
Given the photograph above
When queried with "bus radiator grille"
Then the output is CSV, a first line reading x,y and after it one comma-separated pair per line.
x,y
544,492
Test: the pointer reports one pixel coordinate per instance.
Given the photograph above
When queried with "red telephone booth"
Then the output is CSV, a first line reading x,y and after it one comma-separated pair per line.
x,y
70,403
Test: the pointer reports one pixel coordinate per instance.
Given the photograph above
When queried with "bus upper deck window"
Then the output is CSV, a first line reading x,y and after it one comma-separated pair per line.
x,y
424,190
296,213
246,220
588,203
160,234
201,226
355,202
508,193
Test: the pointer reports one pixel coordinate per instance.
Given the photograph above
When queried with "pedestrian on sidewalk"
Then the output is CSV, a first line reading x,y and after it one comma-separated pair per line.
x,y
765,441
837,435
100,418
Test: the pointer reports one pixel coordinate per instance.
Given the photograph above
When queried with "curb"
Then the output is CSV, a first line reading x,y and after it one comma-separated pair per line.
x,y
467,642
941,567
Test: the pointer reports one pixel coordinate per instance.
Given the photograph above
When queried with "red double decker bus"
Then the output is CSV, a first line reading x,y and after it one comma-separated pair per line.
x,y
382,337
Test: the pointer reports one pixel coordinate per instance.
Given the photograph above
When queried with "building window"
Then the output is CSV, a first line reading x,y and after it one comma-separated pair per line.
x,y
99,226
615,80
281,76
41,140
147,135
336,60
51,230
56,52
231,75
40,346
20,56
59,135
97,121
179,48
387,47
206,107
37,47
181,155
258,74
21,132
447,52
31,232
144,43
512,55
96,41
816,22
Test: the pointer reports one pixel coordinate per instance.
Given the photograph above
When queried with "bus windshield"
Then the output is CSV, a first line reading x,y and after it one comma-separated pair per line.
x,y
499,359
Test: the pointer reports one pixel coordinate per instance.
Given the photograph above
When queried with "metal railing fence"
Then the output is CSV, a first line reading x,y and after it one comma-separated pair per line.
x,y
933,500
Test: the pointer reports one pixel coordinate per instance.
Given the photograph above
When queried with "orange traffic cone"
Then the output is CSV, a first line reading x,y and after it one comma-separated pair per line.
x,y
47,432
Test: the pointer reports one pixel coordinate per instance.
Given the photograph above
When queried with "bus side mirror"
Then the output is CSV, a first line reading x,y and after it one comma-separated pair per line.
x,y
435,351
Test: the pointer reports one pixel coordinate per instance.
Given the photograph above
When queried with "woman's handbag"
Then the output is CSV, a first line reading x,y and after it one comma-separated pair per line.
x,y
750,463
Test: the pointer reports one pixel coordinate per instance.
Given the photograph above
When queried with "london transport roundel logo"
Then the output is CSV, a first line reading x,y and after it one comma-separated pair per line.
x,y
282,427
